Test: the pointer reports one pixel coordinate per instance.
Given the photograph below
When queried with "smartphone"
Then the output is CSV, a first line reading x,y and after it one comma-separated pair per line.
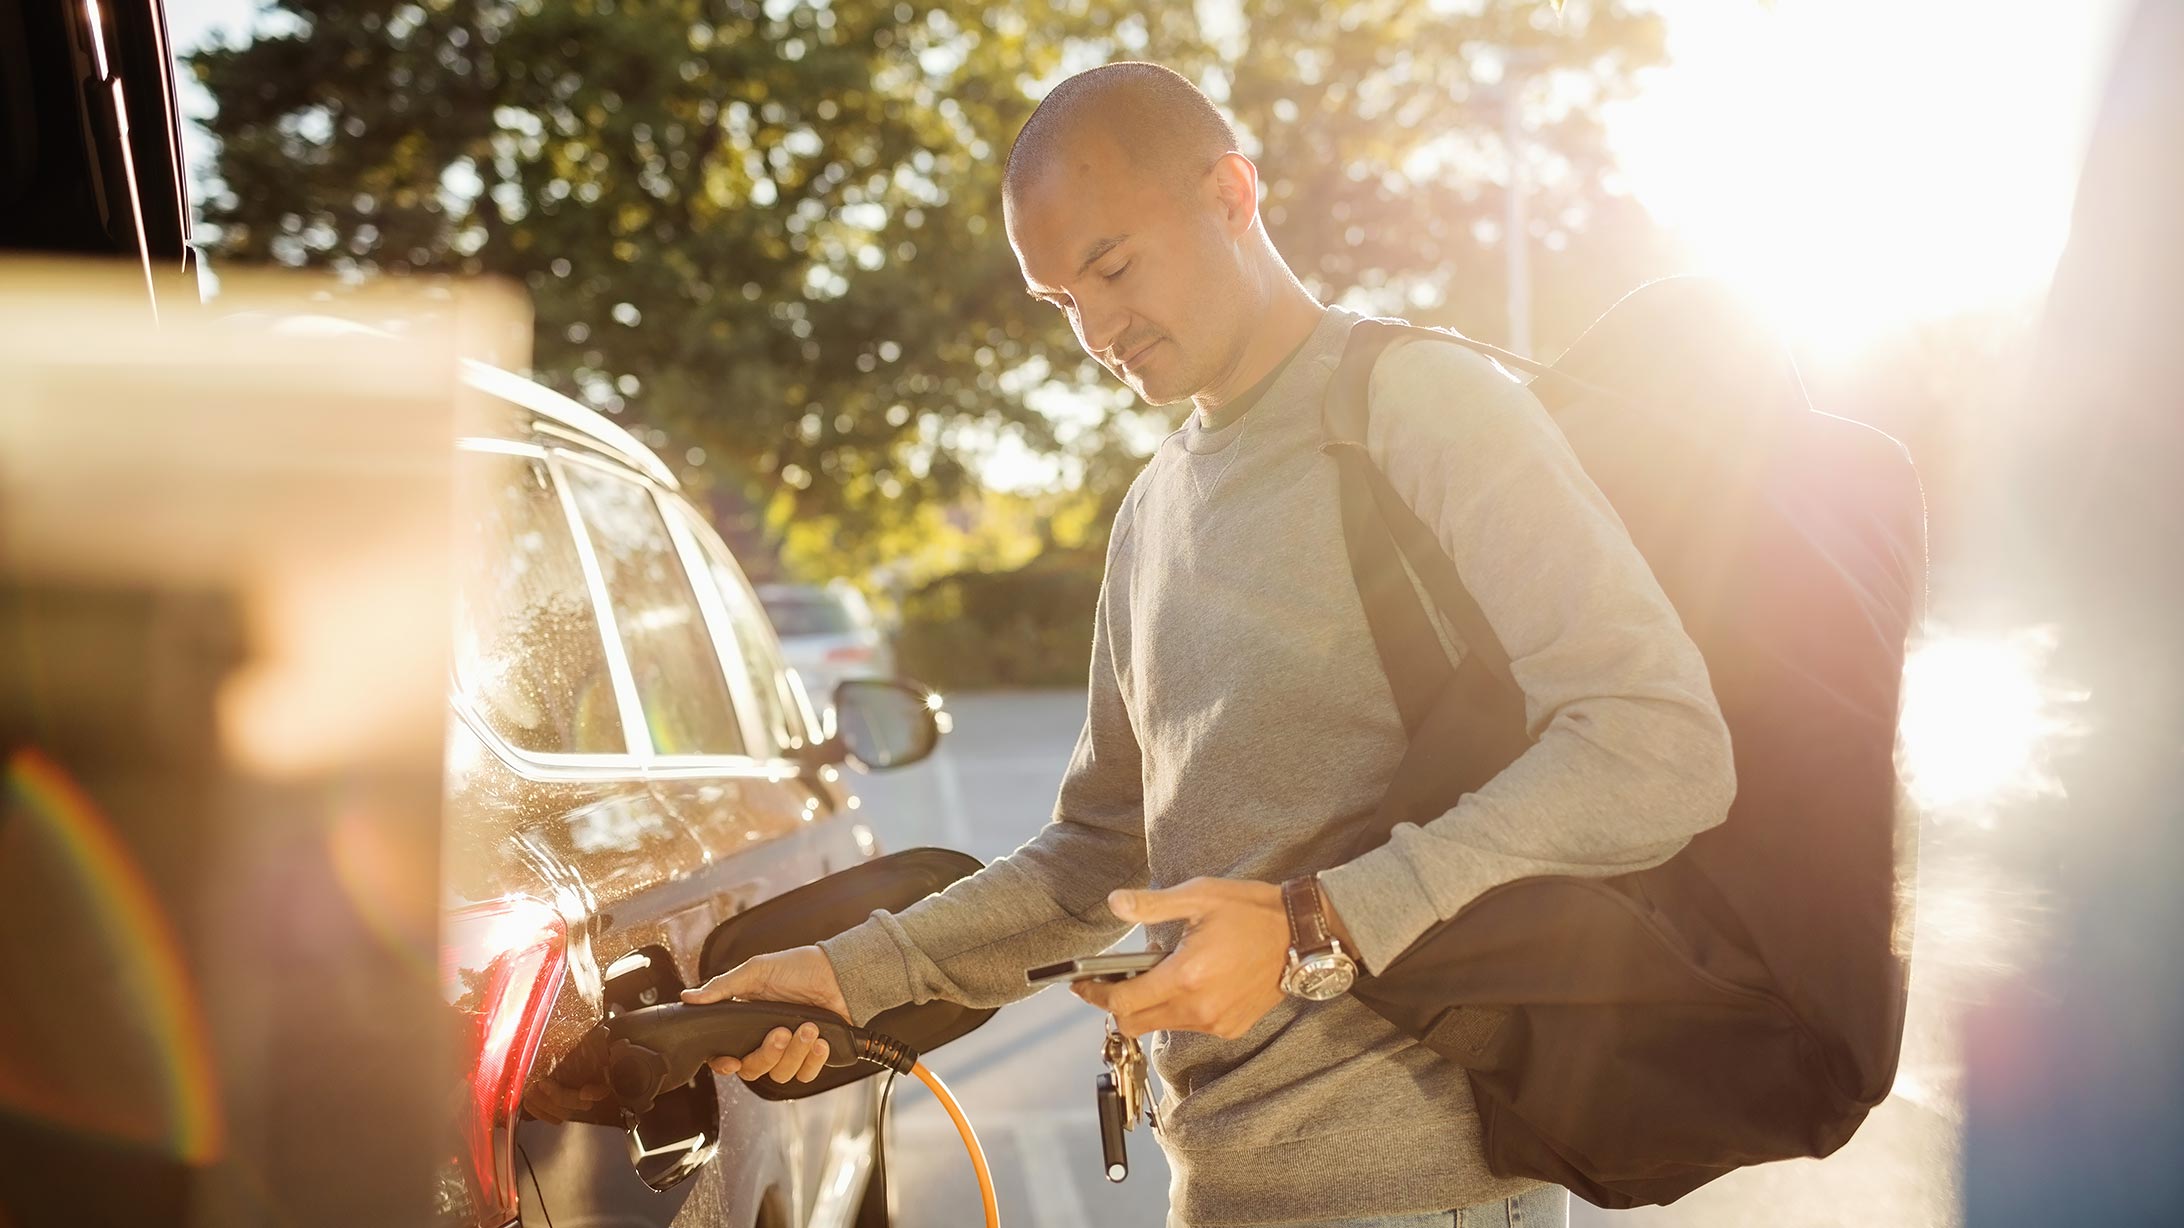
x,y
1115,966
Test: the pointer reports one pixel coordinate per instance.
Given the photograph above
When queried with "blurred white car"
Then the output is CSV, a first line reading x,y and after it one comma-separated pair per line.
x,y
828,634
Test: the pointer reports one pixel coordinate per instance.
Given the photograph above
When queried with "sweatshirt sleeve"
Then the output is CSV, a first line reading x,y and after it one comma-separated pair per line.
x,y
1045,902
1631,757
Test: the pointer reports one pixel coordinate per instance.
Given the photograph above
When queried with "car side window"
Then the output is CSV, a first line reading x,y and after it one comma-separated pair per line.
x,y
774,688
679,681
528,650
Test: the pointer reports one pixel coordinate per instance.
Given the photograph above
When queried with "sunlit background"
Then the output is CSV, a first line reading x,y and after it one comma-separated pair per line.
x,y
1863,165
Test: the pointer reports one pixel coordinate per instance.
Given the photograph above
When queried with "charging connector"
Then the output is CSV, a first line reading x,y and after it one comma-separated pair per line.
x,y
661,1047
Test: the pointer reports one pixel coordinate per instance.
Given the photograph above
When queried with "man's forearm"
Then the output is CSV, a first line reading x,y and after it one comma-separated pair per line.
x,y
972,943
1567,806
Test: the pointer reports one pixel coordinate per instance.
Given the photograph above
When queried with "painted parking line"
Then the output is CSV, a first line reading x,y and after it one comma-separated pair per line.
x,y
955,820
1047,1167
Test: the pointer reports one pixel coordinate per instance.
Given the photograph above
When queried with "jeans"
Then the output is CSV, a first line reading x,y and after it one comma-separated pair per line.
x,y
1545,1207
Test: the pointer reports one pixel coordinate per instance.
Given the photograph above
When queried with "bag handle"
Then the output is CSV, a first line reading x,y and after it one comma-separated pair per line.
x,y
1560,385
1344,417
1463,721
1403,635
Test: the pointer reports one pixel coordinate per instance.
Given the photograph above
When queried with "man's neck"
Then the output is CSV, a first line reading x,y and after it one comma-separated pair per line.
x,y
1289,319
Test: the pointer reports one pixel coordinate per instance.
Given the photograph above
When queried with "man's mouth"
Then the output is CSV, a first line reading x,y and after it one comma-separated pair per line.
x,y
1131,363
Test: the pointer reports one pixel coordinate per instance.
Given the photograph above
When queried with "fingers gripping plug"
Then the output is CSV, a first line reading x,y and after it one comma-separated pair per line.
x,y
662,1047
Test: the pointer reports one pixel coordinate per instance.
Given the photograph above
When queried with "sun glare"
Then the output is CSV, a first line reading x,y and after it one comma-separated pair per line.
x,y
1861,164
1980,719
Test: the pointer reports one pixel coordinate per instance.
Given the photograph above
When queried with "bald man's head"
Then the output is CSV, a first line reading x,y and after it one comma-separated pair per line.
x,y
1170,131
1131,211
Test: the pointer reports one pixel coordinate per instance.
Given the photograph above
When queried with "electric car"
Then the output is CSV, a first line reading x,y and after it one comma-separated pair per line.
x,y
630,764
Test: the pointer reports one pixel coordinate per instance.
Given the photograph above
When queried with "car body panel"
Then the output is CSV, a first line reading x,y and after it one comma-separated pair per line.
x,y
92,163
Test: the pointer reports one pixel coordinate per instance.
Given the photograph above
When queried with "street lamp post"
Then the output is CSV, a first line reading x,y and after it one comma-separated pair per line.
x,y
1514,224
1517,69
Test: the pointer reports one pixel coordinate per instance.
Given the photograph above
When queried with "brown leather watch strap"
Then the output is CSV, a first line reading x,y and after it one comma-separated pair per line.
x,y
1308,930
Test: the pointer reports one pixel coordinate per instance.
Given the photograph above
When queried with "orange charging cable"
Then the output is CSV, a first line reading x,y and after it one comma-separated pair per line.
x,y
970,1141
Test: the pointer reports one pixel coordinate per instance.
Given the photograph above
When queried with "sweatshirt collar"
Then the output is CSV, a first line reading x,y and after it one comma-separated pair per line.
x,y
1302,378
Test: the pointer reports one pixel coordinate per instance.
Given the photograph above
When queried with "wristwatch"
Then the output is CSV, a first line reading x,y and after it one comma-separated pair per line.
x,y
1319,968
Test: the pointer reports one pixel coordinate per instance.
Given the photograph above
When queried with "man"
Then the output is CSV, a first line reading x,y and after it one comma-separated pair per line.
x,y
1239,720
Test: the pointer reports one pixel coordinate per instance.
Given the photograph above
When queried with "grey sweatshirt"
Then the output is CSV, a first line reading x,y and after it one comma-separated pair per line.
x,y
1239,724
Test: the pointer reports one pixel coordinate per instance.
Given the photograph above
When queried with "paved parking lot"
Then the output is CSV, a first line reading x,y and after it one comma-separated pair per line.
x,y
1026,1077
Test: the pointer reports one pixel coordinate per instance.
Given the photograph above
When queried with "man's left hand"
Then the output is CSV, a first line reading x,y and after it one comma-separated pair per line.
x,y
1222,978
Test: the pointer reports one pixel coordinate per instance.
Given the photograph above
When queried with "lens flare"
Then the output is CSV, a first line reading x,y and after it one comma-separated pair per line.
x,y
147,947
1981,718
389,884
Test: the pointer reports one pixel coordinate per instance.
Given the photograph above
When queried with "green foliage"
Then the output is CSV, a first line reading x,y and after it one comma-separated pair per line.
x,y
999,532
1031,626
771,230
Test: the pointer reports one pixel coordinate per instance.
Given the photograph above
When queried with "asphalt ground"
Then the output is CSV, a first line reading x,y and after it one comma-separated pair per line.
x,y
1026,1078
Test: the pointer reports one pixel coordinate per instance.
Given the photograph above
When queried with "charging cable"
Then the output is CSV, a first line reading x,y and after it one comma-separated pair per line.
x,y
970,1141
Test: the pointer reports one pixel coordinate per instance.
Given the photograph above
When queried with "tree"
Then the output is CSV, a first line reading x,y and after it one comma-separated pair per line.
x,y
770,230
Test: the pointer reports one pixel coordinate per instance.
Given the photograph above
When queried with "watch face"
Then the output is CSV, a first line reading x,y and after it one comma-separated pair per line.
x,y
1323,977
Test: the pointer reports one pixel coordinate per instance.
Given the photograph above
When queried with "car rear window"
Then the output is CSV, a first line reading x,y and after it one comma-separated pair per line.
x,y
671,658
814,615
528,650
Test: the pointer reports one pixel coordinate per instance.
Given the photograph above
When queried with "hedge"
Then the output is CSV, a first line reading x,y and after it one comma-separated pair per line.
x,y
978,630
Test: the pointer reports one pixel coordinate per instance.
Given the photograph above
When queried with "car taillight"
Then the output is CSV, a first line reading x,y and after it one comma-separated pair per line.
x,y
501,965
851,652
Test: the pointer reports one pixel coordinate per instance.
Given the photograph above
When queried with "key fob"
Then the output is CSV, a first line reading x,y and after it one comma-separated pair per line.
x,y
1112,1158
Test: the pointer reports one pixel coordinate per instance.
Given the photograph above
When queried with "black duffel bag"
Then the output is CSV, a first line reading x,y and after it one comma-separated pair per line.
x,y
1634,1037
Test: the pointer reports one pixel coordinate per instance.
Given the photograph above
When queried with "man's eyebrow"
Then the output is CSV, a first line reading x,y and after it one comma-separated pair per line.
x,y
1100,247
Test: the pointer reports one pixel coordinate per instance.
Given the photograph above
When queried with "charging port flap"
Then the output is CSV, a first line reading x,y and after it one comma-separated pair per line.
x,y
825,908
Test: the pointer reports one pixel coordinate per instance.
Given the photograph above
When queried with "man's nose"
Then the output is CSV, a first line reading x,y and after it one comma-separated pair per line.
x,y
1100,326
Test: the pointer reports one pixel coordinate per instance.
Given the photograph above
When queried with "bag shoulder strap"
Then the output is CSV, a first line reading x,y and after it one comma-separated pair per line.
x,y
1376,517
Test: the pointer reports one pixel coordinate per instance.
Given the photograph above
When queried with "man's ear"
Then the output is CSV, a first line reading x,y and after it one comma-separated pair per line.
x,y
1234,182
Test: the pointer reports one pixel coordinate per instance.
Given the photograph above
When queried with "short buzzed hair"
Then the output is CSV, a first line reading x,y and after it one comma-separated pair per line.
x,y
1166,124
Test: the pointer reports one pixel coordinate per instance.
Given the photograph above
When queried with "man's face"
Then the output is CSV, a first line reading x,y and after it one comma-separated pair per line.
x,y
1147,271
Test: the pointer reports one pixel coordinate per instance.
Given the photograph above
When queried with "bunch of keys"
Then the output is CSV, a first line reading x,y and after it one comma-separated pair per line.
x,y
1124,1093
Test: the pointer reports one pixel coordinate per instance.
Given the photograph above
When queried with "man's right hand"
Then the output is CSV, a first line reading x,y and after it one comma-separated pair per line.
x,y
801,975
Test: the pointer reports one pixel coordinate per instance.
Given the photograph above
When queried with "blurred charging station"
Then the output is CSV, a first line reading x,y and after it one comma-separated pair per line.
x,y
224,639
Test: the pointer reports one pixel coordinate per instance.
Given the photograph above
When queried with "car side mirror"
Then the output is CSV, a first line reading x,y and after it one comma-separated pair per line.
x,y
885,723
